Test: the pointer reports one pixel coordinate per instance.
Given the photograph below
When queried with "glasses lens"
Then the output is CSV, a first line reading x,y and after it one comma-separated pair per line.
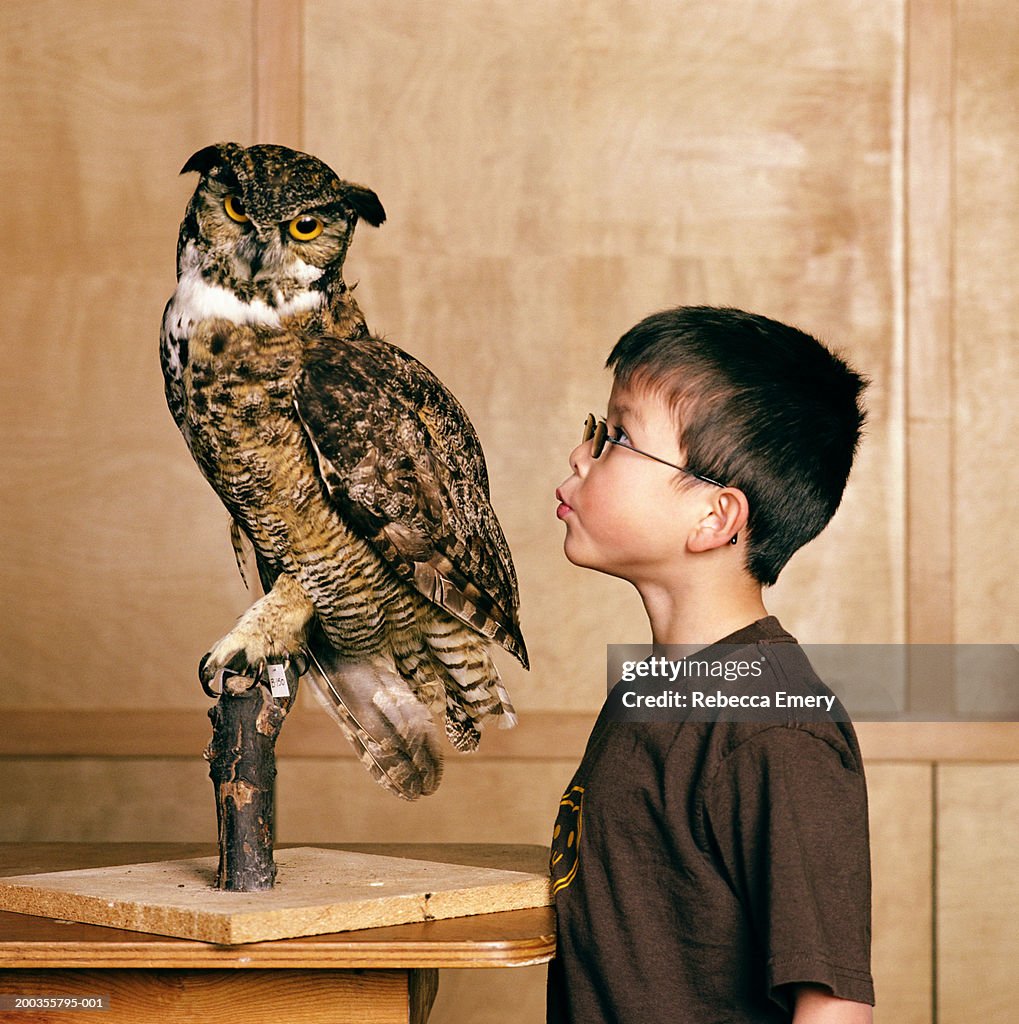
x,y
600,433
596,431
588,428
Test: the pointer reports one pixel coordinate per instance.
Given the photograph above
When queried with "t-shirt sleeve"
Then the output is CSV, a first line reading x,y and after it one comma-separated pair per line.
x,y
787,812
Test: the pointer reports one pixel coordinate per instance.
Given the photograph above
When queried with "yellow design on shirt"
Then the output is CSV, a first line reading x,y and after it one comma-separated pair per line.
x,y
565,857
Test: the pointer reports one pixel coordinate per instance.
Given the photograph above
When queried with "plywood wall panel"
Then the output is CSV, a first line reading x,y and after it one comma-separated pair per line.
x,y
490,997
103,102
478,802
106,801
986,311
123,568
118,573
901,800
554,172
928,216
977,893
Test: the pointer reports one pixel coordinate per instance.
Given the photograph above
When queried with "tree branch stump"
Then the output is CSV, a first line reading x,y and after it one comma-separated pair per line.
x,y
246,721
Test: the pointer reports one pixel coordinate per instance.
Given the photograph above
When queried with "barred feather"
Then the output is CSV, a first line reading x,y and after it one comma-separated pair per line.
x,y
474,689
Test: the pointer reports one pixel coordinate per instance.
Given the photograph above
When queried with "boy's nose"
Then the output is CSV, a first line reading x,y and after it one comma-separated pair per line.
x,y
580,458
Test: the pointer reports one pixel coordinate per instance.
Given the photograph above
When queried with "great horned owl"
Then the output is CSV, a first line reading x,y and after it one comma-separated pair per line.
x,y
351,469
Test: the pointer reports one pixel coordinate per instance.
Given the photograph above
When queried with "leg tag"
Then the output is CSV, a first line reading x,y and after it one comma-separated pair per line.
x,y
278,685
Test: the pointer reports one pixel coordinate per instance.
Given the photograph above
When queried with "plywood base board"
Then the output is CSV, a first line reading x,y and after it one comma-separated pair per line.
x,y
317,892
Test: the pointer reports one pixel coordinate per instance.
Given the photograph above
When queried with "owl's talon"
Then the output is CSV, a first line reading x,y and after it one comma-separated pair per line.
x,y
230,681
205,680
247,650
210,667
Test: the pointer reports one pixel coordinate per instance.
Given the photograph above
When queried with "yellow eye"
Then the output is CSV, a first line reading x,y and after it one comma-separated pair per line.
x,y
235,209
305,228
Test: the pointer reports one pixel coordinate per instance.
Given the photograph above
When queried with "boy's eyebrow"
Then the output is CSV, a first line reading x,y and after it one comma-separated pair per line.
x,y
619,411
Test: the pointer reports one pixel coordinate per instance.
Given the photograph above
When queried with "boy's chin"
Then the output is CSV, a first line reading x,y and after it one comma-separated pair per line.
x,y
578,558
588,560
576,554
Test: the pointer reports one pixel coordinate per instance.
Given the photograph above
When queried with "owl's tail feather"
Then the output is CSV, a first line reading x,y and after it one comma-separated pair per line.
x,y
474,689
391,731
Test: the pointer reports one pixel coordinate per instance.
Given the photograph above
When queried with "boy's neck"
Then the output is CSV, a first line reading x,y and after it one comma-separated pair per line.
x,y
701,616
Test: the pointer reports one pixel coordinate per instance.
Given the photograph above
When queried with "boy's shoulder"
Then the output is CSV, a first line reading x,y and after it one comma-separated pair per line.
x,y
694,737
801,708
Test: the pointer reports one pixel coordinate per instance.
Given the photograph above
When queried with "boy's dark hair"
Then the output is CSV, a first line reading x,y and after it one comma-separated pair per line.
x,y
759,406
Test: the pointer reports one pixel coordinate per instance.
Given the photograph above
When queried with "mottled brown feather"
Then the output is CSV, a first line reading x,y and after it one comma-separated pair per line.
x,y
398,454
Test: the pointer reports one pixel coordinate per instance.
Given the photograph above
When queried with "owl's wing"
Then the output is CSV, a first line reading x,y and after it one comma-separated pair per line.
x,y
400,458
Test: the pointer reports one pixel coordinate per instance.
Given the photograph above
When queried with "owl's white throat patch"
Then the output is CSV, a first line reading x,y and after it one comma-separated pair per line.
x,y
196,299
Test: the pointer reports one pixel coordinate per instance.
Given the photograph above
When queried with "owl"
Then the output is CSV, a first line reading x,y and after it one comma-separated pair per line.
x,y
346,465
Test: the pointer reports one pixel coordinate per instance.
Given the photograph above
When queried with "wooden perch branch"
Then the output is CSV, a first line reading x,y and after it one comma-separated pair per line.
x,y
246,722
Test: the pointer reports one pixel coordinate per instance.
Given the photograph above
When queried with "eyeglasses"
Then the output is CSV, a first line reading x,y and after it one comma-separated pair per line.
x,y
598,432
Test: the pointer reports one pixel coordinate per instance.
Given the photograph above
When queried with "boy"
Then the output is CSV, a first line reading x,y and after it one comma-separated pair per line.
x,y
713,871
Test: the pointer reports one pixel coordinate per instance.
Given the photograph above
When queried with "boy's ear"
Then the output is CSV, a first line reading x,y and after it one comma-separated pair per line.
x,y
726,518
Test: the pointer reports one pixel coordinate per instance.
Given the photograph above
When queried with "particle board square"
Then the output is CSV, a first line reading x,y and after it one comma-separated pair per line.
x,y
317,892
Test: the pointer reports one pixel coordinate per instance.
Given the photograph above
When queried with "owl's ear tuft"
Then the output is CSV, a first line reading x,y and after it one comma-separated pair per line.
x,y
365,203
203,161
211,156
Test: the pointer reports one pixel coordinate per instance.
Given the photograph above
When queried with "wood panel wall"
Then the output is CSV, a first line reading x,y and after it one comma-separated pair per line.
x,y
552,172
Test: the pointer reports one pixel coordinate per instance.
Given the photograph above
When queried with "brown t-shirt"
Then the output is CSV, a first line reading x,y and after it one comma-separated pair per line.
x,y
701,867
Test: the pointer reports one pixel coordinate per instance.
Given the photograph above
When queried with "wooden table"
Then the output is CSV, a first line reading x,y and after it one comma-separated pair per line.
x,y
373,976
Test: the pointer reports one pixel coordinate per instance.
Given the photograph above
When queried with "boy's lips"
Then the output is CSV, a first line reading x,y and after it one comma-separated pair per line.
x,y
564,509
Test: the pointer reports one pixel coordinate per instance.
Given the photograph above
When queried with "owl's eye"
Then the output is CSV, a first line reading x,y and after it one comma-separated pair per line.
x,y
305,228
235,209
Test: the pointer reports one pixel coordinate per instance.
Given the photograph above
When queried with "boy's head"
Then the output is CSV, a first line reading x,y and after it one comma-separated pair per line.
x,y
757,405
